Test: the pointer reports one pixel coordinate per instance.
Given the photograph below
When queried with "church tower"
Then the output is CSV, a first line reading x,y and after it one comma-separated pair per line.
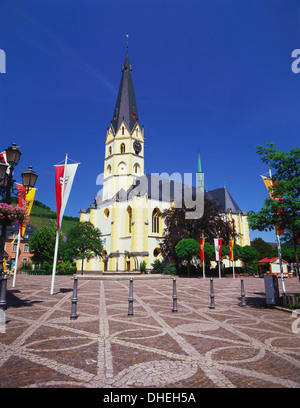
x,y
124,144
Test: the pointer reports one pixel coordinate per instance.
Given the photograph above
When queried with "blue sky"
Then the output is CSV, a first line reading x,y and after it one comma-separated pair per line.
x,y
209,74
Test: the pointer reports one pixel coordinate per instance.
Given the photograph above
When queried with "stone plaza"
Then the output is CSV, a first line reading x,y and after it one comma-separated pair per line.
x,y
230,346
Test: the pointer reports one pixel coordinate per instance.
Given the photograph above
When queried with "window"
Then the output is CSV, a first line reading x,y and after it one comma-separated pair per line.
x,y
137,168
26,248
129,220
106,213
15,246
122,148
156,216
123,130
108,169
25,261
109,151
156,252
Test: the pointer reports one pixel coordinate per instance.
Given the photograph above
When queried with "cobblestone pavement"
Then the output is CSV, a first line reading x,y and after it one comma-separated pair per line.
x,y
229,346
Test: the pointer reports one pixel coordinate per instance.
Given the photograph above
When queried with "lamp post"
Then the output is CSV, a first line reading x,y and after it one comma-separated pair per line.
x,y
29,177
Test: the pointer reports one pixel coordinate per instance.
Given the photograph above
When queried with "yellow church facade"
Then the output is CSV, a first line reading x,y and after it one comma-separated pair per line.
x,y
128,209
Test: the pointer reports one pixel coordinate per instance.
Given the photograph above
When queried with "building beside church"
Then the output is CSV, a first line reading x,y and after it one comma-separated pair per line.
x,y
128,209
11,243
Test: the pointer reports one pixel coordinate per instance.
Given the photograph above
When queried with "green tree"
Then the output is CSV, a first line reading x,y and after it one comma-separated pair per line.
x,y
263,248
287,253
209,253
42,244
186,249
285,210
84,241
248,255
211,225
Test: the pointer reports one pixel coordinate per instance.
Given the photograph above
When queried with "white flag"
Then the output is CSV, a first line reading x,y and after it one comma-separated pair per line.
x,y
63,175
69,177
218,248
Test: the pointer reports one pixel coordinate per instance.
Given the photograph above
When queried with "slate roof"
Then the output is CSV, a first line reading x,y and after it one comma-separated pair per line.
x,y
224,199
125,108
11,229
161,189
157,188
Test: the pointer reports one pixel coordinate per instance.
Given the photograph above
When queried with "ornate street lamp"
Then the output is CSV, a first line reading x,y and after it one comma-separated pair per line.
x,y
13,155
29,177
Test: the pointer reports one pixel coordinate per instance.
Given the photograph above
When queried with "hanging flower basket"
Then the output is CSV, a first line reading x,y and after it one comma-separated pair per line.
x,y
10,214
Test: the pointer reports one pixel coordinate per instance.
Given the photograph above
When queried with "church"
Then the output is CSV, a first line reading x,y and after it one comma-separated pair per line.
x,y
128,209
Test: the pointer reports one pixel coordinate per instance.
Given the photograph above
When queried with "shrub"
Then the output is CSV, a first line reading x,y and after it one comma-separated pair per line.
x,y
157,266
143,266
170,269
26,267
66,268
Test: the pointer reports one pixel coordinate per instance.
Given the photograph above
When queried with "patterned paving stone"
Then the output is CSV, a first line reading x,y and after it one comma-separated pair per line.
x,y
197,347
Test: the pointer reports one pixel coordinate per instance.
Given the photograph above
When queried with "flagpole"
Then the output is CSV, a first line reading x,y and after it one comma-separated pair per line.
x,y
17,258
202,241
280,263
232,256
57,234
54,262
278,248
219,269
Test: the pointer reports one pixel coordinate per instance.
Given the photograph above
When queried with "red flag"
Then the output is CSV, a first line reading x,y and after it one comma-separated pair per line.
x,y
59,176
202,241
21,195
3,157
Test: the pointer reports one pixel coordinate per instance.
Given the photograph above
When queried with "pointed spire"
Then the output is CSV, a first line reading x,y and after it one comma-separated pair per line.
x,y
199,163
125,108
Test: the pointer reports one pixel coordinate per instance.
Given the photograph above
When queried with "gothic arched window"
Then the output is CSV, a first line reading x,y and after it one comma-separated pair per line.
x,y
123,148
156,216
129,219
137,168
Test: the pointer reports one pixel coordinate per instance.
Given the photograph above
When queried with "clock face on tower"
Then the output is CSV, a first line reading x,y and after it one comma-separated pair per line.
x,y
137,146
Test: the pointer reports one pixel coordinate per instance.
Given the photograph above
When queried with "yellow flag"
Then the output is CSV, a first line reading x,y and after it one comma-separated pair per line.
x,y
29,198
231,243
268,183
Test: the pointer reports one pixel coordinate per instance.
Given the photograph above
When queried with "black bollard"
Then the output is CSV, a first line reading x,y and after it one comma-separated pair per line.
x,y
74,315
174,296
212,294
130,299
243,292
3,286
